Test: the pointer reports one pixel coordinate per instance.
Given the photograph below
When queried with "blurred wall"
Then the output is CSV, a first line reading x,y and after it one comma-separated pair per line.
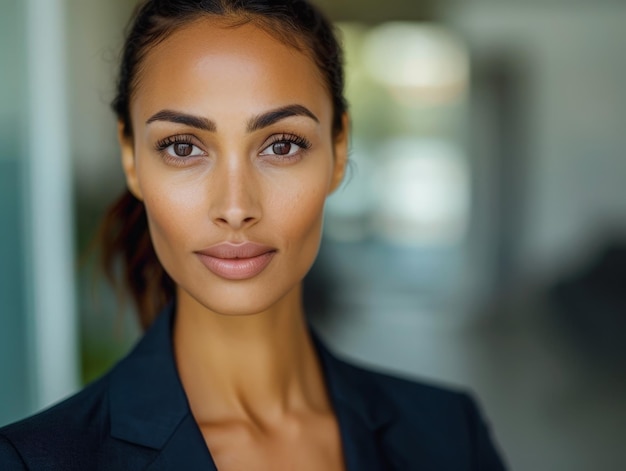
x,y
95,35
568,138
16,397
38,326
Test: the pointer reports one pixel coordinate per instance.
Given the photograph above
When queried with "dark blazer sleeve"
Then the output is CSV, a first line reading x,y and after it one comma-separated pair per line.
x,y
10,459
485,456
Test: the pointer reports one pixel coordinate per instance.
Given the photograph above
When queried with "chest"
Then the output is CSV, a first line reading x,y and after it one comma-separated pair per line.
x,y
304,446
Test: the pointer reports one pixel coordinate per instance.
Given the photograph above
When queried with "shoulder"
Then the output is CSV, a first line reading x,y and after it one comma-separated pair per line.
x,y
445,421
442,409
66,433
9,456
408,395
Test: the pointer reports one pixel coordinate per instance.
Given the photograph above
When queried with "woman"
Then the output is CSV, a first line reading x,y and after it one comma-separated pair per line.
x,y
233,131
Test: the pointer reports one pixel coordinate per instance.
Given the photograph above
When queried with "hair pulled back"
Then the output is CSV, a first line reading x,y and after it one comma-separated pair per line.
x,y
128,257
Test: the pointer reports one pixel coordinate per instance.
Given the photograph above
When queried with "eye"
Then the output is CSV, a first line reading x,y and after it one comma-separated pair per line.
x,y
179,147
183,149
285,146
282,148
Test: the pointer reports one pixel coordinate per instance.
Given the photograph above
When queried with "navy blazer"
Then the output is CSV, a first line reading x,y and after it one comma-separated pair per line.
x,y
136,417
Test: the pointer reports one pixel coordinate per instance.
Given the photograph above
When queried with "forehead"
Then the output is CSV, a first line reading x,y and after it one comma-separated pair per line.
x,y
209,64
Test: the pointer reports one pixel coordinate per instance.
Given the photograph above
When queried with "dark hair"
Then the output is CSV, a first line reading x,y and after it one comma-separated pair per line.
x,y
128,257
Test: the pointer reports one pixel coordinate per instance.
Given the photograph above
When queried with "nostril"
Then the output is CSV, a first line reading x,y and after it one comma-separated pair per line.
x,y
235,221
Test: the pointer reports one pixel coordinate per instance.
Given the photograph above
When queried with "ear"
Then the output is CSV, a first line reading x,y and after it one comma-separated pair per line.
x,y
127,150
340,150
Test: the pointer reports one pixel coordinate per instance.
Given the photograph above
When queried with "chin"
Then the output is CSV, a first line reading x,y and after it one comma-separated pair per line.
x,y
239,304
235,310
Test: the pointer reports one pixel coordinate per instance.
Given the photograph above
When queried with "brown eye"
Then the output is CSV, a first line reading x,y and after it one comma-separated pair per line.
x,y
281,148
183,149
285,148
179,147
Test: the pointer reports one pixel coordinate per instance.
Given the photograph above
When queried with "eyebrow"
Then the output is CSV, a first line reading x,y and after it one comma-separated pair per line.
x,y
273,116
182,118
254,124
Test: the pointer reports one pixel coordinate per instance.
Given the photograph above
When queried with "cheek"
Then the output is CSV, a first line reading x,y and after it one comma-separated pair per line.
x,y
174,212
302,215
166,226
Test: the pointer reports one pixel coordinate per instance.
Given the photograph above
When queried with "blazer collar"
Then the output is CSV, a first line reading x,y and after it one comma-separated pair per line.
x,y
148,404
149,407
147,401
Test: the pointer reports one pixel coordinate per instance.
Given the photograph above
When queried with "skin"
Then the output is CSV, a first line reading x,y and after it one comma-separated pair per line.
x,y
242,343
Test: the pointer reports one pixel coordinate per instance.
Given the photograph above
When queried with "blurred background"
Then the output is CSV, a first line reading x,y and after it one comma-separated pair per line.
x,y
479,242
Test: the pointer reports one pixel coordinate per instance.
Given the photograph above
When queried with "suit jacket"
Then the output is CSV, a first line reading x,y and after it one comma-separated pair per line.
x,y
136,417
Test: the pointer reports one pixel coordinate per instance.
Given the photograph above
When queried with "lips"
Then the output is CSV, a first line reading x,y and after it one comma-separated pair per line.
x,y
236,261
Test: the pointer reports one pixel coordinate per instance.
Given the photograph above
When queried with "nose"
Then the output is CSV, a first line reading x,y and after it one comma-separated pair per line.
x,y
235,201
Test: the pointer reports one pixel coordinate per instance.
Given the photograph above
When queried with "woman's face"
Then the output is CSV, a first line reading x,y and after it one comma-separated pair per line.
x,y
233,156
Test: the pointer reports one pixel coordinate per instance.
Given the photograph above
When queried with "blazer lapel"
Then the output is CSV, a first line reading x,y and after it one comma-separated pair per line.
x,y
186,449
149,407
362,419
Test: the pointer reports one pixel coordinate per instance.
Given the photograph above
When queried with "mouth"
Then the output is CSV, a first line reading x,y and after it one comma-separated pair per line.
x,y
236,261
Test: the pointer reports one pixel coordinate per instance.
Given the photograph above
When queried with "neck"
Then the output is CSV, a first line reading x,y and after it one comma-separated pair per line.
x,y
258,367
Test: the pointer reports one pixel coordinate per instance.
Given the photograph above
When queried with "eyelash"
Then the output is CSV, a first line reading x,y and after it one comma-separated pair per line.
x,y
168,141
162,145
292,138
